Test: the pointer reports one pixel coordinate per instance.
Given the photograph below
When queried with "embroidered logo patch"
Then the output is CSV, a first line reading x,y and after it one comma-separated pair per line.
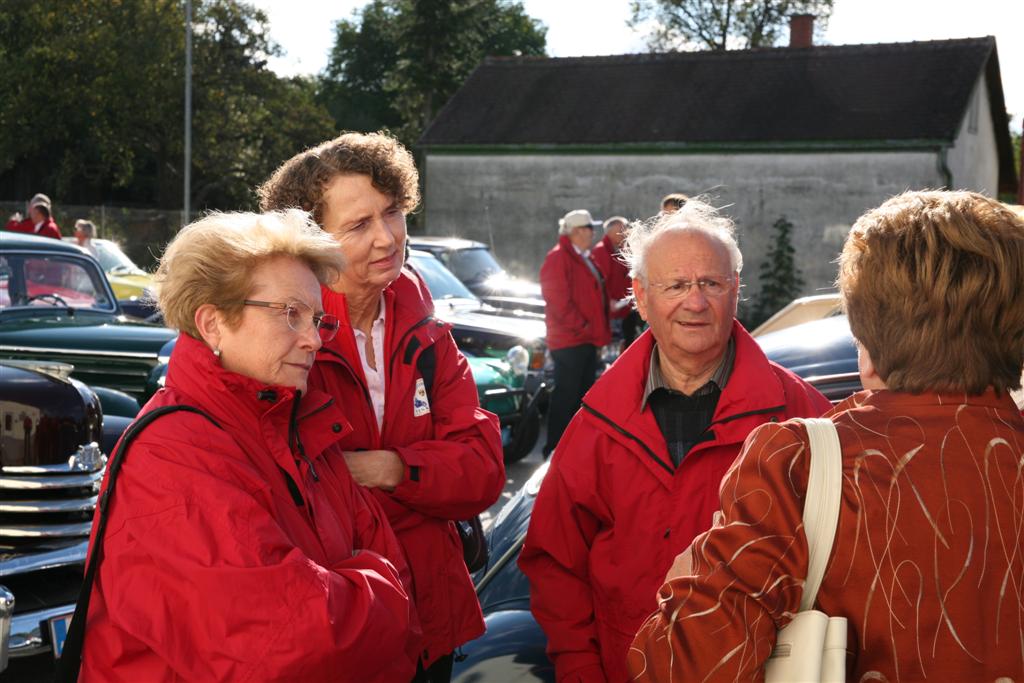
x,y
420,404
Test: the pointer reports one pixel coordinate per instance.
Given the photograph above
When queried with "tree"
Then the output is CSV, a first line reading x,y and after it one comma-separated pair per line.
x,y
396,63
779,275
94,102
720,24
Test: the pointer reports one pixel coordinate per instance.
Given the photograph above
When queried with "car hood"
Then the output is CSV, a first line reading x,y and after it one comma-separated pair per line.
x,y
502,284
814,349
82,333
473,314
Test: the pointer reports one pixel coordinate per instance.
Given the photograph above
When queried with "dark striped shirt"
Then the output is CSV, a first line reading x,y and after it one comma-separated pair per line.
x,y
684,419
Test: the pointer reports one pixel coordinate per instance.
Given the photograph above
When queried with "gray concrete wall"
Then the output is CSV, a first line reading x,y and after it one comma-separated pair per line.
x,y
513,202
973,159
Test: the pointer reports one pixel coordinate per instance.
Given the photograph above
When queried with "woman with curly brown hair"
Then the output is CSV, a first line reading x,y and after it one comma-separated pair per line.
x,y
926,565
421,441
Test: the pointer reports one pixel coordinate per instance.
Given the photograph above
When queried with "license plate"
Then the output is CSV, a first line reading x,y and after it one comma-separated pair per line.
x,y
59,632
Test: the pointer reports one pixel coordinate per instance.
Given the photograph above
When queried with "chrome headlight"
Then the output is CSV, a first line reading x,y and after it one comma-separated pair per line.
x,y
518,358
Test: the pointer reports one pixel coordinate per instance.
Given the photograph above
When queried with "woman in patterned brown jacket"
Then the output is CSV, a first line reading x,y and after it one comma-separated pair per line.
x,y
928,560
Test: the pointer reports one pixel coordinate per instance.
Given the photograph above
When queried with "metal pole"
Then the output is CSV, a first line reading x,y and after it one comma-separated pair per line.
x,y
188,112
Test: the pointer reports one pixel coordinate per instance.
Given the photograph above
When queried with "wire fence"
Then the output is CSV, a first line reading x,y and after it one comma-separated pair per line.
x,y
142,233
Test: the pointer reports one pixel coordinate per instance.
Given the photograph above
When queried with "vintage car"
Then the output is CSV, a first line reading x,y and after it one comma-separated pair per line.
x,y
56,305
126,279
482,331
474,264
53,459
513,647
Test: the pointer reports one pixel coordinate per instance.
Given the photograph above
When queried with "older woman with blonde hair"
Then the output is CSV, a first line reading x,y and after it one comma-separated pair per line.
x,y
238,546
926,563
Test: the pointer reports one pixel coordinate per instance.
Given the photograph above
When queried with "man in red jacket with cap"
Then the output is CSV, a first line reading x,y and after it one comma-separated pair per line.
x,y
576,313
636,476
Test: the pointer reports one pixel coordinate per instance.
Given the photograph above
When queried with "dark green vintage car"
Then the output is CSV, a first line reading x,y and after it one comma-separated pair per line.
x,y
56,305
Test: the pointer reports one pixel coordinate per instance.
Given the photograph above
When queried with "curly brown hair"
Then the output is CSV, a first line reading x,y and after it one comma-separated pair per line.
x,y
300,182
933,284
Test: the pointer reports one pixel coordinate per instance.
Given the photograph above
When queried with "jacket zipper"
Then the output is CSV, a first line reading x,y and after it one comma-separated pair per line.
x,y
634,437
294,438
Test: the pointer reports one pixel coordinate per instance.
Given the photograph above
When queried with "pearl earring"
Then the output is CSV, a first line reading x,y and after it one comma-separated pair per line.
x,y
216,352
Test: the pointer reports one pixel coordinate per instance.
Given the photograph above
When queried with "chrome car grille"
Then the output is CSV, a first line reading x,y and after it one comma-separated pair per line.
x,y
48,507
127,372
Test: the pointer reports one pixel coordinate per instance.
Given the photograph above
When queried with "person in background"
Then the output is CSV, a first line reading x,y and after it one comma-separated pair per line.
x,y
39,222
22,223
608,258
576,313
926,564
637,473
238,546
85,231
420,442
671,203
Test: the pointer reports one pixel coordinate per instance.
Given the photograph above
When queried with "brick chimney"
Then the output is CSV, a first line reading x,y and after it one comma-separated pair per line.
x,y
801,30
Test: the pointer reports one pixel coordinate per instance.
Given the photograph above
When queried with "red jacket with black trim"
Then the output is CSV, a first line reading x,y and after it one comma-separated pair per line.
x,y
616,275
451,451
613,513
576,305
233,554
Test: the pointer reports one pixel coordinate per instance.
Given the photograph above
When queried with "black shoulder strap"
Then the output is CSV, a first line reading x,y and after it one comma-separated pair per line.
x,y
70,661
427,364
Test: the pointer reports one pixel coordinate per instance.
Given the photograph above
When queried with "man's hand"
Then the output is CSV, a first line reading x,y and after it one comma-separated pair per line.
x,y
375,469
16,216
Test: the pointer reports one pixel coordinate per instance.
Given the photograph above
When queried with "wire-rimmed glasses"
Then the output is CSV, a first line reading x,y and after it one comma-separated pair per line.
x,y
300,316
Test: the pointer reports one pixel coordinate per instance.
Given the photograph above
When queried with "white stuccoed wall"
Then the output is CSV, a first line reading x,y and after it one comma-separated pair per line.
x,y
513,202
973,159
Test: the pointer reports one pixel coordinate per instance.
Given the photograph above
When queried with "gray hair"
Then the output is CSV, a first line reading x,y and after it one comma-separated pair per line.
x,y
88,227
696,215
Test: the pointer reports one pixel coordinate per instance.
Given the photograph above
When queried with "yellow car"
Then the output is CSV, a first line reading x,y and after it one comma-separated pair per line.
x,y
126,279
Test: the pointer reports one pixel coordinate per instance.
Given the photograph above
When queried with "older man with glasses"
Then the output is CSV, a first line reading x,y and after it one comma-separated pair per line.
x,y
636,476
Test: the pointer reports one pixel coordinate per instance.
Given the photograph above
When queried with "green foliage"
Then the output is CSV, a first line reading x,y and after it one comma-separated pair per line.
x,y
779,275
94,106
721,24
396,62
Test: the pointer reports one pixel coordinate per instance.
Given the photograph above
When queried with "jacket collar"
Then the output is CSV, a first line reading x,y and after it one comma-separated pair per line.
x,y
615,399
408,305
229,397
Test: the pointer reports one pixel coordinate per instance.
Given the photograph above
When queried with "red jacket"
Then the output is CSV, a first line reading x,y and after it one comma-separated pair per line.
x,y
615,273
576,306
612,513
927,548
47,229
213,567
452,453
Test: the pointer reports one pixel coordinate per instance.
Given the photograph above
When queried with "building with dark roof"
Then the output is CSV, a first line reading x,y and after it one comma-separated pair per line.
x,y
817,134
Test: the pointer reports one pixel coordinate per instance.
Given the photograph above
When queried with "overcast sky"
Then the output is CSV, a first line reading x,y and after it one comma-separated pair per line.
x,y
304,28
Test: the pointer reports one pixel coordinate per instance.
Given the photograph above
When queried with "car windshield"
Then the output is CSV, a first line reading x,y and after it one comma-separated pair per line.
x,y
52,281
113,260
440,281
471,265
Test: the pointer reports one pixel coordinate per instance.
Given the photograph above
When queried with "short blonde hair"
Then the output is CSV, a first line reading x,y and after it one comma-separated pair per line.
x,y
696,215
933,284
211,261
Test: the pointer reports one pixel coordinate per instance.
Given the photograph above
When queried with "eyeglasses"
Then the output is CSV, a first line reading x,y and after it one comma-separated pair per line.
x,y
711,286
300,316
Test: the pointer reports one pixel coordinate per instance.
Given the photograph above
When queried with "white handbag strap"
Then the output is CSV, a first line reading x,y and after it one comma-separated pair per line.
x,y
821,505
